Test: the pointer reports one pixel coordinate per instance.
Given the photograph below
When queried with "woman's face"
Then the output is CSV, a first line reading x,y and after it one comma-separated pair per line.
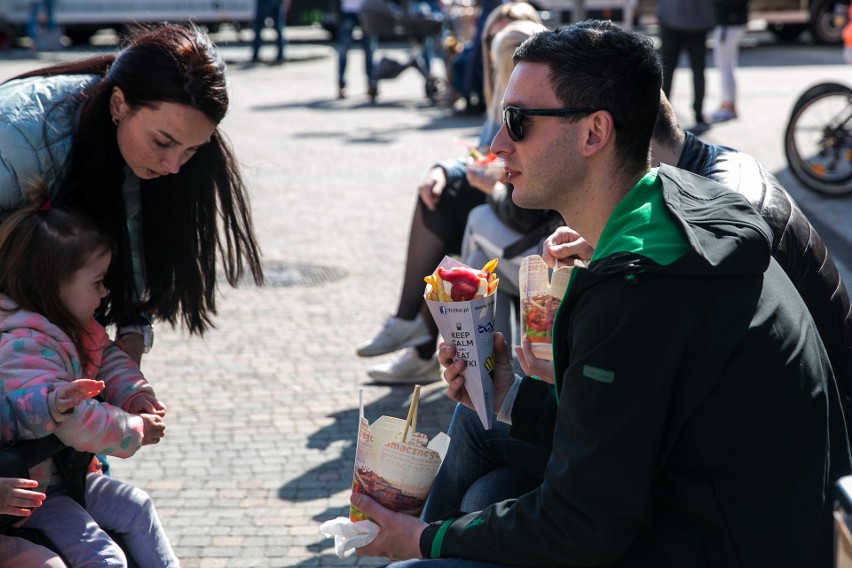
x,y
157,141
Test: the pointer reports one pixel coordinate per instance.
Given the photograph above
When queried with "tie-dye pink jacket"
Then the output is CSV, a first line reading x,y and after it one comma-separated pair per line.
x,y
35,357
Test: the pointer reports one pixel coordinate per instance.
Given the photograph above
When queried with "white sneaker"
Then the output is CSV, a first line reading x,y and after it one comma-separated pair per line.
x,y
396,334
407,368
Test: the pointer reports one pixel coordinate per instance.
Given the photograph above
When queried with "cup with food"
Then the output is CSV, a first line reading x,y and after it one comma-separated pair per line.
x,y
394,464
541,295
485,165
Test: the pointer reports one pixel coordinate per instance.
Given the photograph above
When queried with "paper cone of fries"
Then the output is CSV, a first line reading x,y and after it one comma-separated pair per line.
x,y
541,295
462,301
395,464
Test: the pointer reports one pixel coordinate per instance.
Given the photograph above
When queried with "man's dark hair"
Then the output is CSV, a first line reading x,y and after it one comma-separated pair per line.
x,y
596,64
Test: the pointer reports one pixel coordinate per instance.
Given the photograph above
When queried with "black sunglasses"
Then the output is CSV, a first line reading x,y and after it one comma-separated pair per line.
x,y
513,117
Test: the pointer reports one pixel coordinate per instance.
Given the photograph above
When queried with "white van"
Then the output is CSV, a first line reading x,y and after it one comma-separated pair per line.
x,y
562,11
80,19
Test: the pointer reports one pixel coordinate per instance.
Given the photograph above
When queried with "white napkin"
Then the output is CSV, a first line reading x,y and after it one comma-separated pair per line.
x,y
348,535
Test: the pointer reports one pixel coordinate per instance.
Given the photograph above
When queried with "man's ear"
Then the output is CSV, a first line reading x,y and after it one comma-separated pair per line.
x,y
600,131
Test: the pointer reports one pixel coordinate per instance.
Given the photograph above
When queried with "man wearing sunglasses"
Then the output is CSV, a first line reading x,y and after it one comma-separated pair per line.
x,y
694,421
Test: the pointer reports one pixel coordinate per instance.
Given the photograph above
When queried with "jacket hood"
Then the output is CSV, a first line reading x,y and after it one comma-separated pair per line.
x,y
679,222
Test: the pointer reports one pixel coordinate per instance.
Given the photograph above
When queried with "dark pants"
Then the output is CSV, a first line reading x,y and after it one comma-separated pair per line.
x,y
269,9
672,43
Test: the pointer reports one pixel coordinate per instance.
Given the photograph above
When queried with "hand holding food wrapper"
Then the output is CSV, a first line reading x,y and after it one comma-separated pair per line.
x,y
540,298
461,299
394,465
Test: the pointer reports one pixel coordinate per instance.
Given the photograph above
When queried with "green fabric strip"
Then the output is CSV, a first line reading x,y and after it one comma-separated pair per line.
x,y
439,539
641,223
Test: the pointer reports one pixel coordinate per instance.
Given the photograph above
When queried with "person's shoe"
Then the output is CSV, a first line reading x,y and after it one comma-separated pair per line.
x,y
341,93
407,368
699,128
396,334
723,114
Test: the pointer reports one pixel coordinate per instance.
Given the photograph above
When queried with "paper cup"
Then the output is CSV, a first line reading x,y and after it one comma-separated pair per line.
x,y
540,299
397,474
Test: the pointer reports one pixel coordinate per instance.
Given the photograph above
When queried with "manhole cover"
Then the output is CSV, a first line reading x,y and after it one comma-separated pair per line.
x,y
283,274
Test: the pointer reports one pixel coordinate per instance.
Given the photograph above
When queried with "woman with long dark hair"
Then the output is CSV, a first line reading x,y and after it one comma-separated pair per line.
x,y
132,140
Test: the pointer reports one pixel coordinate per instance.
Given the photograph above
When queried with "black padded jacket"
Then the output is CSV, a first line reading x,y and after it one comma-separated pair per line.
x,y
796,246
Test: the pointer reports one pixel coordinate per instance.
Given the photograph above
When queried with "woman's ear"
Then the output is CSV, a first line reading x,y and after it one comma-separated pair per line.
x,y
600,129
117,105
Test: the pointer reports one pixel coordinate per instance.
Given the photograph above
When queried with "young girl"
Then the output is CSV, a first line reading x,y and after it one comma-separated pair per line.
x,y
53,264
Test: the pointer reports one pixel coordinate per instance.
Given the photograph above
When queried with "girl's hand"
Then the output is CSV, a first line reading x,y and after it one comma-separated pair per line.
x,y
69,395
16,497
155,429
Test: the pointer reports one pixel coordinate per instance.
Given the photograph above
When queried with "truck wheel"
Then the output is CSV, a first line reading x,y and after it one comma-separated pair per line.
x,y
787,33
827,20
79,36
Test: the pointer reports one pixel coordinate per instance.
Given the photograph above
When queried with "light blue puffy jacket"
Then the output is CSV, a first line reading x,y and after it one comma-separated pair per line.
x,y
38,117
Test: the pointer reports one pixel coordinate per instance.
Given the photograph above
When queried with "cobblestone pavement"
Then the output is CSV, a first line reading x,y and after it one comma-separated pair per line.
x,y
263,410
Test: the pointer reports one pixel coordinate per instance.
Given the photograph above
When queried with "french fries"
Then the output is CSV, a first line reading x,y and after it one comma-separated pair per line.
x,y
436,289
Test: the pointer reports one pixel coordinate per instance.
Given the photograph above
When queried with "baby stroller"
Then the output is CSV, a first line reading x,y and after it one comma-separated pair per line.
x,y
381,18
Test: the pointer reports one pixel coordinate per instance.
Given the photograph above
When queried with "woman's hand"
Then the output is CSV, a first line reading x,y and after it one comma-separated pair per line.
x,y
483,179
399,534
532,365
146,404
432,187
504,374
16,497
69,395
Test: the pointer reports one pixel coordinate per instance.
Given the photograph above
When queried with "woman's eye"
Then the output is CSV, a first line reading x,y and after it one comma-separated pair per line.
x,y
161,144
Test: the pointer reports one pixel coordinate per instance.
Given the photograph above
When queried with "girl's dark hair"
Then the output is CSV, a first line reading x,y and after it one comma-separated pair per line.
x,y
187,217
41,247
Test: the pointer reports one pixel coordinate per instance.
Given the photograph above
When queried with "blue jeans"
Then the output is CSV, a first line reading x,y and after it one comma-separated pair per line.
x,y
269,9
110,505
36,7
482,467
369,43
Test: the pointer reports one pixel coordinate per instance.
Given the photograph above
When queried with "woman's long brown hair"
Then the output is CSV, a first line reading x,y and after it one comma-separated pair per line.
x,y
188,217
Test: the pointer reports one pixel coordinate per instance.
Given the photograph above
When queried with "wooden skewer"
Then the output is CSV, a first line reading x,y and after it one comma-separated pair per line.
x,y
412,413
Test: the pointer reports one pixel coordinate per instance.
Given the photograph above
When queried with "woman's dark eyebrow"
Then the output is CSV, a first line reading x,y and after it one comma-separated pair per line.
x,y
173,139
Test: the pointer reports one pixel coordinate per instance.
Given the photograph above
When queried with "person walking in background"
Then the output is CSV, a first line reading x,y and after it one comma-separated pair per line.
x,y
684,25
277,10
50,36
731,21
349,20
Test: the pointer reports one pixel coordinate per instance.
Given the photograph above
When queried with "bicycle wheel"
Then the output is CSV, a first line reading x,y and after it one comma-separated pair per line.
x,y
818,139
